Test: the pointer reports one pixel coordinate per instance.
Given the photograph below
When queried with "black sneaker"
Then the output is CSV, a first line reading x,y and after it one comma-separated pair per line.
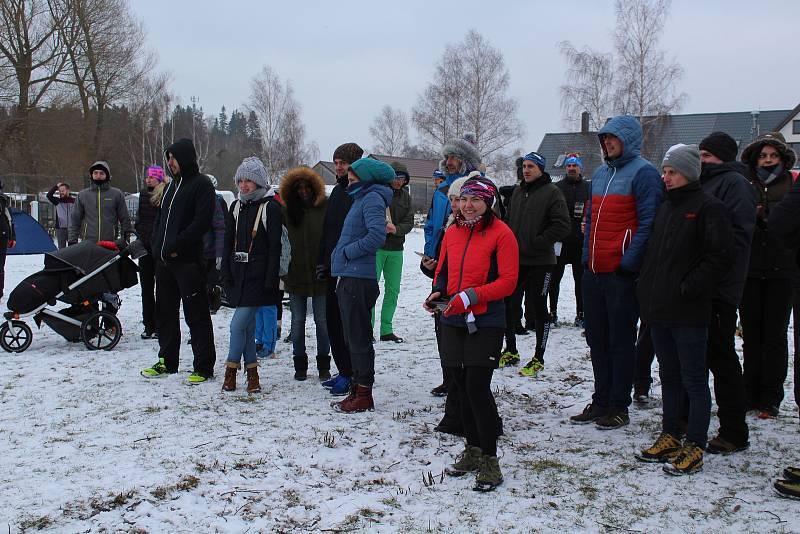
x,y
590,414
520,330
391,337
148,335
439,391
613,419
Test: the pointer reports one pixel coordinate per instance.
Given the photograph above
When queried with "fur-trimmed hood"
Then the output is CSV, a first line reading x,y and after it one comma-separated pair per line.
x,y
297,174
464,149
775,140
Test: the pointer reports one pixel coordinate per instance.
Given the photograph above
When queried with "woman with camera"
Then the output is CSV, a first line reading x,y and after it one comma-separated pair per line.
x,y
477,268
250,266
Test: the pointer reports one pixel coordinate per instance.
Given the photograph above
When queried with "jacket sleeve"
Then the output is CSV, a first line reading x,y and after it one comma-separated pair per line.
x,y
716,252
218,225
205,199
405,225
51,195
123,216
274,230
429,232
507,253
587,219
784,217
440,274
648,192
230,228
373,215
324,255
557,224
75,220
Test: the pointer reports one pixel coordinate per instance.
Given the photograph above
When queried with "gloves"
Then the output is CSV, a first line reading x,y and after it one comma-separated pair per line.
x,y
12,243
322,273
459,304
219,264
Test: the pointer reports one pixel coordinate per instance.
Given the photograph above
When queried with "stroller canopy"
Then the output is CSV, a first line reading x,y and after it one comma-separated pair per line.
x,y
84,257
31,237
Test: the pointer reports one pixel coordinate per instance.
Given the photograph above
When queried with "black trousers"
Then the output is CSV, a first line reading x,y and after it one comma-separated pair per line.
x,y
147,279
333,318
765,309
452,403
357,297
537,279
796,325
176,283
555,285
3,253
644,358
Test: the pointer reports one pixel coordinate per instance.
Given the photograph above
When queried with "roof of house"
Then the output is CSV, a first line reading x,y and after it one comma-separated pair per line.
x,y
417,168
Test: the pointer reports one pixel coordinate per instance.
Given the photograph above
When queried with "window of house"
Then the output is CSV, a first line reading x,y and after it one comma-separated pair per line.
x,y
796,127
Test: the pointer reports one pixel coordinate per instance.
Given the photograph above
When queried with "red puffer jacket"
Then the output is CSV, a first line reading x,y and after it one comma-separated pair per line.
x,y
485,259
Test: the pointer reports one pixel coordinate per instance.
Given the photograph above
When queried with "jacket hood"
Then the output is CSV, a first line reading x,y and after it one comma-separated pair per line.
x,y
384,190
710,170
628,129
184,152
100,165
750,154
298,174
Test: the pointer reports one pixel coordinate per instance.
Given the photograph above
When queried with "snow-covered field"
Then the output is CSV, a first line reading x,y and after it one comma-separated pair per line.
x,y
87,445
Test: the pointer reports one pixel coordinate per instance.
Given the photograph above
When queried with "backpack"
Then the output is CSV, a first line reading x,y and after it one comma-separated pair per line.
x,y
286,246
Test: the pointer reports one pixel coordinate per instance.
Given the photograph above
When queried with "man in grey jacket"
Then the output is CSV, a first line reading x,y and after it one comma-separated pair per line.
x,y
99,209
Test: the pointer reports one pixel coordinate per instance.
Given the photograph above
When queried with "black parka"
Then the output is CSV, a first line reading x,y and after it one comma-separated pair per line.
x,y
339,203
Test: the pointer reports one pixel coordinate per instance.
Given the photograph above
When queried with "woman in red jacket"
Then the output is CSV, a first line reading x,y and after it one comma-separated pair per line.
x,y
478,266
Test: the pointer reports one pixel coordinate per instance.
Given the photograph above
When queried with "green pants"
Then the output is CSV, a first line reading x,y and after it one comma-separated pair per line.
x,y
390,263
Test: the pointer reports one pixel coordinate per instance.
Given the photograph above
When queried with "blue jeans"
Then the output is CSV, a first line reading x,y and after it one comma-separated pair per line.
x,y
243,339
681,353
267,328
610,315
299,307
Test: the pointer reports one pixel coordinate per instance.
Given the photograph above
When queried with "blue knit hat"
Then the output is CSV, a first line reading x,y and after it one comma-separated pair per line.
x,y
536,158
373,170
438,175
574,160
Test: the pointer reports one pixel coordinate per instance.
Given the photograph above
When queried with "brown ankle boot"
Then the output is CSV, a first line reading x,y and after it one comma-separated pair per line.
x,y
253,386
360,400
229,384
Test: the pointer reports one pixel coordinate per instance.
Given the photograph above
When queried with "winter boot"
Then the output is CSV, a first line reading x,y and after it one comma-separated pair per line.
x,y
467,462
229,382
253,385
489,474
662,450
359,400
324,367
792,474
300,367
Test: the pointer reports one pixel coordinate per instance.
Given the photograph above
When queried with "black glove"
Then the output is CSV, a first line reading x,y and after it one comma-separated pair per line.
x,y
625,273
322,273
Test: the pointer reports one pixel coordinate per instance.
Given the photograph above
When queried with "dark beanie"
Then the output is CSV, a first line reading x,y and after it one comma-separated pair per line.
x,y
348,152
721,145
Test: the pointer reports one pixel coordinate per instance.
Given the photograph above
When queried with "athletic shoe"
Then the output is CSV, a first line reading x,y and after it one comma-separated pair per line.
x,y
613,419
197,378
662,450
579,322
342,386
590,414
439,391
768,412
520,330
149,335
554,319
792,474
158,370
508,358
328,384
467,462
532,368
787,488
391,337
688,460
489,474
720,445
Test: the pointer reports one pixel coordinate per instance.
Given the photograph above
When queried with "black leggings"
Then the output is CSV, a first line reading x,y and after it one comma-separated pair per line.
x,y
473,386
537,280
555,286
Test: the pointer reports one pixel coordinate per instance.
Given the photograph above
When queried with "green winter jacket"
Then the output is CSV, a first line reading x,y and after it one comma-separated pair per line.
x,y
402,218
538,216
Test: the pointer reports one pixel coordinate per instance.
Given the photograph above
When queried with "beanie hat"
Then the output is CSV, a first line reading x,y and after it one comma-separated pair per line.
x,y
438,175
155,171
401,171
100,166
464,149
480,187
372,170
574,159
537,159
348,152
455,187
685,159
213,180
252,169
721,145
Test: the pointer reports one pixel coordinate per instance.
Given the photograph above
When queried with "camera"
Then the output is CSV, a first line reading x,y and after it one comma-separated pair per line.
x,y
241,257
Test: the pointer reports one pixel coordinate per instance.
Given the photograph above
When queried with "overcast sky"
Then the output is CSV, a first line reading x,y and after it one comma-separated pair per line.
x,y
347,59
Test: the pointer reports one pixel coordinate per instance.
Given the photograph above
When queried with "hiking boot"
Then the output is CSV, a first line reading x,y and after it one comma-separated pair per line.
x,y
590,414
342,386
662,450
467,462
768,412
688,460
446,426
508,358
792,474
360,400
440,390
489,474
158,370
720,445
198,378
229,382
787,488
253,385
324,367
613,419
520,330
300,367
532,368
328,384
391,337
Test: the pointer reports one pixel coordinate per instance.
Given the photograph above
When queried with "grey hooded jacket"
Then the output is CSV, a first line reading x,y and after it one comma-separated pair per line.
x,y
98,210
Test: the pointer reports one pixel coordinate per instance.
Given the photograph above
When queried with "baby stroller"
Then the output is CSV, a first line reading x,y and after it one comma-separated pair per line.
x,y
86,276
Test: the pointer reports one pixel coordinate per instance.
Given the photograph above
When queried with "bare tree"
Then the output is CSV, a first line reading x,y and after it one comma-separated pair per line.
x,y
589,87
469,93
389,130
646,79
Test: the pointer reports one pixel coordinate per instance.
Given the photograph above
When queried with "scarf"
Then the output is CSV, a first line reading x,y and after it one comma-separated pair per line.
x,y
472,223
258,194
767,175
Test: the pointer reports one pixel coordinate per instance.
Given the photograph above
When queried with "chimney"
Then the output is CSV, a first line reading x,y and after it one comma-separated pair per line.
x,y
585,122
755,129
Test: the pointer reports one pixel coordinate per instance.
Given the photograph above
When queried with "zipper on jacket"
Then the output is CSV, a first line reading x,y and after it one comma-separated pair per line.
x,y
169,211
463,257
99,223
599,210
657,270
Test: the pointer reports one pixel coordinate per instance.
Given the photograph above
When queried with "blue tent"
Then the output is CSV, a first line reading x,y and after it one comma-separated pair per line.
x,y
31,237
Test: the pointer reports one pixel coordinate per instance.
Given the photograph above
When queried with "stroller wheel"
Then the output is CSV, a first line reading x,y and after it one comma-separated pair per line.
x,y
101,331
16,338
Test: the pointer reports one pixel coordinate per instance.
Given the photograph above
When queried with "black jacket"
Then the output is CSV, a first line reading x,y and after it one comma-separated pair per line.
x,y
187,208
726,182
255,282
338,206
688,250
145,220
402,217
537,215
784,218
769,256
576,194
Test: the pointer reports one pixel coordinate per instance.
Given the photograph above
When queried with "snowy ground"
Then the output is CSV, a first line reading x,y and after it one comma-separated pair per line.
x,y
87,445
